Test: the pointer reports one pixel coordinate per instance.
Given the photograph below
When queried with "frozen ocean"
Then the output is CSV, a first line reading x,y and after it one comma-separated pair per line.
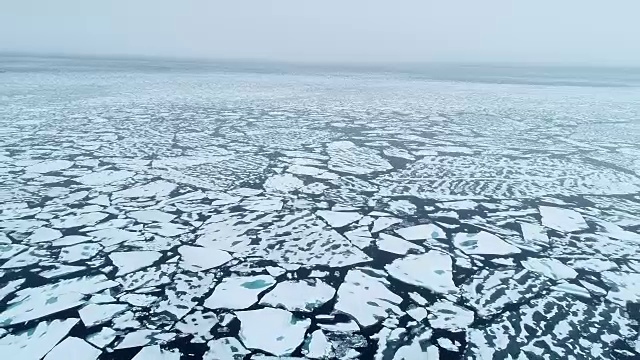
x,y
162,209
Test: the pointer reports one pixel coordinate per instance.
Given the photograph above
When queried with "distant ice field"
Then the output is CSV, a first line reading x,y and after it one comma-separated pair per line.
x,y
156,209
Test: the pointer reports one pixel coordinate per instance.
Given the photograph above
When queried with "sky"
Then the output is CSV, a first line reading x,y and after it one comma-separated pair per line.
x,y
595,32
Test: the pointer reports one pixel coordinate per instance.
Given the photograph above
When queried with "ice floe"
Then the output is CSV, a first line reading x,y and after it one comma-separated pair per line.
x,y
446,315
198,258
238,292
370,284
483,243
225,348
338,219
130,261
34,343
432,271
274,331
550,268
561,219
299,295
421,232
80,349
396,245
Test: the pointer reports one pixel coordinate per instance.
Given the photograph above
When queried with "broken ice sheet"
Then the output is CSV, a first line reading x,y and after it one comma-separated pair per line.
x,y
151,216
239,292
154,352
489,291
421,232
102,338
396,245
555,326
225,348
299,295
561,219
96,314
364,295
130,261
274,331
338,219
86,219
198,324
446,315
35,342
201,258
432,271
382,223
316,346
550,268
483,243
80,349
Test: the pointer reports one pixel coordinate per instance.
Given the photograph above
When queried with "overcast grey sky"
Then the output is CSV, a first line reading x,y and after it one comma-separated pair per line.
x,y
550,31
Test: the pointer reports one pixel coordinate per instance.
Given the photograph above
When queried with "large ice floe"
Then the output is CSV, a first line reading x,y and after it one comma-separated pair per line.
x,y
309,213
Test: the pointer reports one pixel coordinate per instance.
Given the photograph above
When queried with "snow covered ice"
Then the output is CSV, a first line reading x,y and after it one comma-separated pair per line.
x,y
181,211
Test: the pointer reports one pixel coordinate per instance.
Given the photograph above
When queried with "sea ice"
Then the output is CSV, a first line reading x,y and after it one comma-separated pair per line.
x,y
550,268
446,315
80,349
195,258
396,245
421,232
561,219
338,219
432,271
239,292
36,342
483,243
130,261
275,331
299,295
364,295
228,348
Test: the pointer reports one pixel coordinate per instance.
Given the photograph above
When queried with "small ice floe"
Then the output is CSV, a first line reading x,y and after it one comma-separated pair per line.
x,y
102,338
43,234
151,216
561,219
198,324
572,289
401,207
421,232
96,314
535,235
593,289
80,349
196,258
104,177
167,229
382,223
316,346
154,352
446,315
228,348
458,205
338,219
624,287
49,166
238,292
551,268
364,295
300,295
360,237
86,219
418,313
489,291
396,245
263,204
158,189
346,157
483,243
398,153
112,236
79,252
274,331
143,338
130,261
34,343
447,344
419,348
286,183
432,271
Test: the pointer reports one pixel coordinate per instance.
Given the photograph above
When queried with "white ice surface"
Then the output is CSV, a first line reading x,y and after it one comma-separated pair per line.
x,y
561,219
130,261
195,258
432,271
274,331
396,245
227,348
34,343
238,292
73,347
550,268
337,219
299,295
421,232
483,243
446,315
